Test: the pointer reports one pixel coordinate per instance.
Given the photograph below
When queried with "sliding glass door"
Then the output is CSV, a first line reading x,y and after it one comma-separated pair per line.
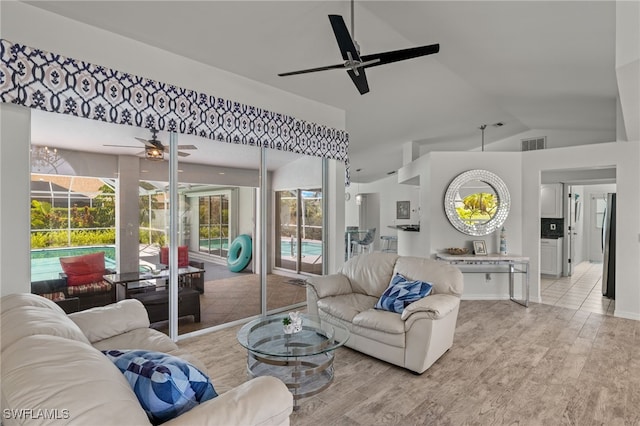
x,y
213,224
299,223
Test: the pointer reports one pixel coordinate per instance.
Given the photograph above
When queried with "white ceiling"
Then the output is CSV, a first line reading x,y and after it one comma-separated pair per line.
x,y
531,65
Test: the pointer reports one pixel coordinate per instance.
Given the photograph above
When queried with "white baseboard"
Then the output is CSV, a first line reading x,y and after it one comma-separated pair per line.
x,y
485,297
628,315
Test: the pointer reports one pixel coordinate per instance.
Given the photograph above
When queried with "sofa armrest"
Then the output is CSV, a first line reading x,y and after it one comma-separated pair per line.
x,y
107,321
435,306
330,285
261,401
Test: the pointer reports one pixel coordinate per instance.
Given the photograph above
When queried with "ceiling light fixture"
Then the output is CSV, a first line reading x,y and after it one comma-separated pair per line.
x,y
484,126
43,158
153,154
358,195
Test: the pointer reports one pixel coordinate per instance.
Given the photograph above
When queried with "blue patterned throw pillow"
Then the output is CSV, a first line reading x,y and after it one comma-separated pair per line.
x,y
165,385
401,293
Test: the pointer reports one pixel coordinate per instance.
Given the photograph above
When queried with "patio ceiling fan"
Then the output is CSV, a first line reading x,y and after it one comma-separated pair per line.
x,y
354,63
154,149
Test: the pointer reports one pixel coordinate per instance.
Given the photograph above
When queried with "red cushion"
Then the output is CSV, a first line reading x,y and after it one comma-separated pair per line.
x,y
84,269
183,256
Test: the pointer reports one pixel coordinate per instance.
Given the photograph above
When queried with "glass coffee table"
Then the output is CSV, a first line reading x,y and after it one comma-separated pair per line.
x,y
302,360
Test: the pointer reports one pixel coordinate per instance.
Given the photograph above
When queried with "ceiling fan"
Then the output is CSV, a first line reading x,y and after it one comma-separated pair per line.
x,y
355,64
154,149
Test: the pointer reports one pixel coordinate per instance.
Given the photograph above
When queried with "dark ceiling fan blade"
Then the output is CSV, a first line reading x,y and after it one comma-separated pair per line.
x,y
329,67
183,154
359,80
400,55
144,141
165,148
345,42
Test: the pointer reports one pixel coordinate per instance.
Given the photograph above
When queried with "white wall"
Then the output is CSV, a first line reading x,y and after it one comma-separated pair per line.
x,y
522,174
435,172
15,244
556,138
22,23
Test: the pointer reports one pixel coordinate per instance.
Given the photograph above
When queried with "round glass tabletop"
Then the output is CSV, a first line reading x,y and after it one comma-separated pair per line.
x,y
266,336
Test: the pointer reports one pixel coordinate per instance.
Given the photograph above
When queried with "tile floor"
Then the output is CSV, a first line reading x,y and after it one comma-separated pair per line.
x,y
582,290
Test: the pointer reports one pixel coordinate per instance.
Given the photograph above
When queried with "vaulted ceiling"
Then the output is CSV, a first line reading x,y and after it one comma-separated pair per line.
x,y
530,65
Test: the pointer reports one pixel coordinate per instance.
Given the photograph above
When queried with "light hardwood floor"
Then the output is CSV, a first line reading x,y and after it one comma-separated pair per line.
x,y
542,365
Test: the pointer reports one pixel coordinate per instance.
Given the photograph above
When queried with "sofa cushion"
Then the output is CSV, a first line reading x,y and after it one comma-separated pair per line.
x,y
71,379
166,386
370,274
84,269
183,256
385,321
33,320
99,286
102,322
55,296
401,293
20,300
444,277
140,338
346,306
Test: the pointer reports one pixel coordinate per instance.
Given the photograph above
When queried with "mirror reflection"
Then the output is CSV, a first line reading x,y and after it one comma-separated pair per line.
x,y
477,202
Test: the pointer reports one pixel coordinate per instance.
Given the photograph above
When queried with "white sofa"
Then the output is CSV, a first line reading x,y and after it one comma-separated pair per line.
x,y
414,339
52,361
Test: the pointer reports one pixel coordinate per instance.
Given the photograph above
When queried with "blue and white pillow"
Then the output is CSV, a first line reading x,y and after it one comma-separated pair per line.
x,y
165,385
401,293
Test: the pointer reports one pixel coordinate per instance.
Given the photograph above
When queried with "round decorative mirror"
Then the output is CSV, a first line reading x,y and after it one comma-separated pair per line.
x,y
477,202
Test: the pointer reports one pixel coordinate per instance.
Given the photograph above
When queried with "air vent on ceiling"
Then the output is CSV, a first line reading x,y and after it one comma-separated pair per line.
x,y
533,144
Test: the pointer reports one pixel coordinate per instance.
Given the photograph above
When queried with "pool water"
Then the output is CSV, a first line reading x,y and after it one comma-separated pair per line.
x,y
308,249
45,263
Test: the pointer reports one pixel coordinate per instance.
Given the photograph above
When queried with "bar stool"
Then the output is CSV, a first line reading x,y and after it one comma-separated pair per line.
x,y
389,243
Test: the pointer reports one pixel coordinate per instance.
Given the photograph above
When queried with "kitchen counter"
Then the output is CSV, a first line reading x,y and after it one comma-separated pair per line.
x,y
410,228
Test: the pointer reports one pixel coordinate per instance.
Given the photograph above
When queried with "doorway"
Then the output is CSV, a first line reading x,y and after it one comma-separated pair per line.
x,y
580,287
298,245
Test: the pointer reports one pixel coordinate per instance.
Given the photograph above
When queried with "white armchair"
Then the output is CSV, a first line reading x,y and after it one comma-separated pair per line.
x,y
414,339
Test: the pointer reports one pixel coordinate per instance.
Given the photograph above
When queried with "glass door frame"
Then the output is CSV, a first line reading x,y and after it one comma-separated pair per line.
x,y
300,230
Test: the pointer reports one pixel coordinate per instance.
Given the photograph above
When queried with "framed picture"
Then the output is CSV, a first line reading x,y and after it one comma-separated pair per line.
x,y
479,248
403,209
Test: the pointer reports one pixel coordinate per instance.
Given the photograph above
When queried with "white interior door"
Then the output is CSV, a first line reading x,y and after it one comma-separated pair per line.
x,y
571,232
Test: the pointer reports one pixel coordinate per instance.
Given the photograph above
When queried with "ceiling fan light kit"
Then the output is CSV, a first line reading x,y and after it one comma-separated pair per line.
x,y
355,64
154,149
153,154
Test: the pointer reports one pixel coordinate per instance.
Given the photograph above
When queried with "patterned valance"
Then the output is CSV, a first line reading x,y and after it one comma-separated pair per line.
x,y
51,82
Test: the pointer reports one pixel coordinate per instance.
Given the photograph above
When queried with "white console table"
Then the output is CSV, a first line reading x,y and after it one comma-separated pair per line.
x,y
503,264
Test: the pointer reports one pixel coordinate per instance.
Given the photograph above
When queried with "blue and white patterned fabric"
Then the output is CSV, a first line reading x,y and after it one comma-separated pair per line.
x,y
52,82
165,385
401,293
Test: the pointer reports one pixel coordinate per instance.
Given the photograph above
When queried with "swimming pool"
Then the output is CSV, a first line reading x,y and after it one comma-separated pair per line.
x,y
309,248
45,263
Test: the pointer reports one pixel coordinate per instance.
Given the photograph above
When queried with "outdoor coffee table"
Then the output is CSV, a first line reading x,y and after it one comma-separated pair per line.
x,y
302,360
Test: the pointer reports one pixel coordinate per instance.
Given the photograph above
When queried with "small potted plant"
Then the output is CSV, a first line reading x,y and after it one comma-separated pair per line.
x,y
287,326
